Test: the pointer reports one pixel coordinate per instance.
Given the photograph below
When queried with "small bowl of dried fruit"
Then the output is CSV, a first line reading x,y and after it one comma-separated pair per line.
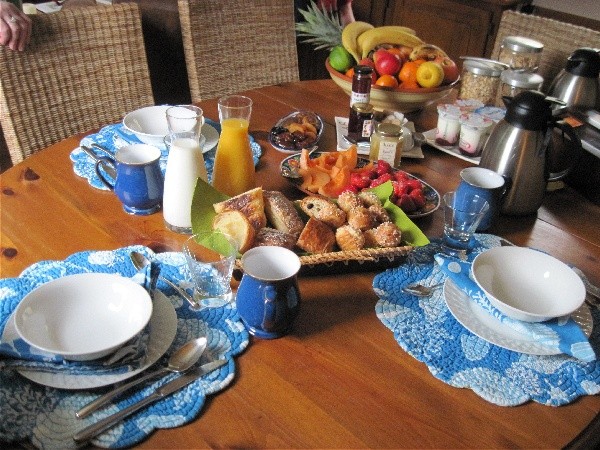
x,y
296,131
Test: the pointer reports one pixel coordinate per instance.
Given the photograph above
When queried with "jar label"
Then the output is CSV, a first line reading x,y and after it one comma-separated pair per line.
x,y
387,151
367,128
359,98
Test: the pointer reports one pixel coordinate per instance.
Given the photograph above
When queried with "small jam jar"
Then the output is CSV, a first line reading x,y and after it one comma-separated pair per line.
x,y
448,125
387,142
361,84
480,80
521,53
473,133
360,122
513,82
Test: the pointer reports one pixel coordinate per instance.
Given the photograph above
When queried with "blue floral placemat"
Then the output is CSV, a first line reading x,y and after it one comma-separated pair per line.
x,y
45,416
426,329
115,136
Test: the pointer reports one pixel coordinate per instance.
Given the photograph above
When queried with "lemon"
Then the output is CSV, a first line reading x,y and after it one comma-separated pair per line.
x,y
340,59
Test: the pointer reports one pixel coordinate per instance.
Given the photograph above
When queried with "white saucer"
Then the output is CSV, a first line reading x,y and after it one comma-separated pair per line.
x,y
211,135
451,149
475,319
163,328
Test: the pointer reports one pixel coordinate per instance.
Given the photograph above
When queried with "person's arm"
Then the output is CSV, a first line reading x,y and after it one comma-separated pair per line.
x,y
15,27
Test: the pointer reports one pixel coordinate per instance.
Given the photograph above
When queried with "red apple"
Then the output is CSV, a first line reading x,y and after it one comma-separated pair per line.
x,y
451,71
386,63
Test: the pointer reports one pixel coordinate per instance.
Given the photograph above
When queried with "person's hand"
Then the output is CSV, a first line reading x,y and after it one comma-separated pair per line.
x,y
15,27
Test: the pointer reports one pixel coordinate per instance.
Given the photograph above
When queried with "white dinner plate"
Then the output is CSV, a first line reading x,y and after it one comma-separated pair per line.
x,y
475,319
163,328
211,135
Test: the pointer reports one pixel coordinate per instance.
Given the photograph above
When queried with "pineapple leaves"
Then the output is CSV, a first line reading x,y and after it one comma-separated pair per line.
x,y
322,28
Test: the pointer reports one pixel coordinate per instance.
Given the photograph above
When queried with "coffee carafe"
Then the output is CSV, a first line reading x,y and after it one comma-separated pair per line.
x,y
518,149
578,84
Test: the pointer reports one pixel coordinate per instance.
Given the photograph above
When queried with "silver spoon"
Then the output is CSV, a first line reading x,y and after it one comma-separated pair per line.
x,y
140,261
180,361
420,290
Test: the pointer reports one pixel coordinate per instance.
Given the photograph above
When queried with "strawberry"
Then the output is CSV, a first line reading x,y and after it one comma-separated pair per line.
x,y
418,198
381,179
350,188
413,184
406,203
400,188
383,167
401,175
360,180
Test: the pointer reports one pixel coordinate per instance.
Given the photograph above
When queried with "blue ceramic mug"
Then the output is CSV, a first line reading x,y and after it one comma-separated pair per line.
x,y
268,297
139,182
487,184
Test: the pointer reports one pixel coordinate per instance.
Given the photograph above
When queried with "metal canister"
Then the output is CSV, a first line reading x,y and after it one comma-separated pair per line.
x,y
360,122
387,141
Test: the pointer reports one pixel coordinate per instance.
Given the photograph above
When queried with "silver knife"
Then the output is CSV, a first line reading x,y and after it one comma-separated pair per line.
x,y
108,169
165,390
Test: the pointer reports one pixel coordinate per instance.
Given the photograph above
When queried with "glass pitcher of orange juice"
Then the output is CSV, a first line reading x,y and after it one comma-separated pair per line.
x,y
233,171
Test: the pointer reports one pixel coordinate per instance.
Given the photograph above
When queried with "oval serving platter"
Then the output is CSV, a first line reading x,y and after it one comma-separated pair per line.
x,y
432,197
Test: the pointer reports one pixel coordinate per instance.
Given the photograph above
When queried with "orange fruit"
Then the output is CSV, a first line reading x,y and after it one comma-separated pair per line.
x,y
350,72
396,52
408,72
409,85
387,81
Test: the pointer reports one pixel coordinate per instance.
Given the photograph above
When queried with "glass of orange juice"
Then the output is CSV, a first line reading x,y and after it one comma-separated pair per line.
x,y
233,171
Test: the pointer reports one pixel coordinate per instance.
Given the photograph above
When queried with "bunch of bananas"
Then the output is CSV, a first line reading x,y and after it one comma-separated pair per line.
x,y
361,38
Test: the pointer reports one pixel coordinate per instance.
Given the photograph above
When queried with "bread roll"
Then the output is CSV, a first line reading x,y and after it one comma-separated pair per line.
x,y
385,235
250,203
281,213
323,210
361,218
271,236
348,200
316,237
236,225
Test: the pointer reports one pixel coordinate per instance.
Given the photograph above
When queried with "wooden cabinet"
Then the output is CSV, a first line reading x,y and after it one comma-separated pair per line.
x,y
460,27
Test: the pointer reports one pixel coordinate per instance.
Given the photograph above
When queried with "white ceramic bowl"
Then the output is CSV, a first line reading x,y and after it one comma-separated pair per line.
x,y
149,124
393,99
84,316
528,285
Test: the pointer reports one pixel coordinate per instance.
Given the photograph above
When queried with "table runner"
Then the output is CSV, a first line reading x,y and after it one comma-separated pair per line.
x,y
115,136
46,416
427,330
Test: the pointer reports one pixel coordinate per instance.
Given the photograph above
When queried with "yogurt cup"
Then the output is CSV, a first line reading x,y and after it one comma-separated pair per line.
x,y
448,125
473,133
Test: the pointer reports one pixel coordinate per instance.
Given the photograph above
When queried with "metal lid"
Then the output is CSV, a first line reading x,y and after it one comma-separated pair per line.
x,y
522,44
522,79
362,108
481,66
389,129
363,70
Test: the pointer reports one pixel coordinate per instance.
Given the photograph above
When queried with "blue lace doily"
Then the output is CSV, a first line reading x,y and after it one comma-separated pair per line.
x,y
116,136
427,330
46,416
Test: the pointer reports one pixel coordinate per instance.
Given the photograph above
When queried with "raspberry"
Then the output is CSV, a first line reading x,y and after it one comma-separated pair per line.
x,y
383,167
381,179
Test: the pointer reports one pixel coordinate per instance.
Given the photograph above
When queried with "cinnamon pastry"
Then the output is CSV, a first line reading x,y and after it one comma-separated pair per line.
x,y
349,238
385,235
361,218
271,236
348,200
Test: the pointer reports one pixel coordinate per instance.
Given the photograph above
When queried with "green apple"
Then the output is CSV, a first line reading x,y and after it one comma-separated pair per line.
x,y
430,74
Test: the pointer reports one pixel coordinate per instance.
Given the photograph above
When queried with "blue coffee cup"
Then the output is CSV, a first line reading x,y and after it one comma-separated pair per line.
x,y
268,297
139,182
486,184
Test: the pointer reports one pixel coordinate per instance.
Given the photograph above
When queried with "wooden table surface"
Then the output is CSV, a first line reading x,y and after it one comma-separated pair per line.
x,y
340,379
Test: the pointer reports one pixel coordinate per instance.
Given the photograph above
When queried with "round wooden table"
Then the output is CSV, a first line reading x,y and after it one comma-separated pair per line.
x,y
339,380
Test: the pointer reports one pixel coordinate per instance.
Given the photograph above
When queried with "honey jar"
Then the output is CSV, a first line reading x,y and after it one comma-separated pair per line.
x,y
387,142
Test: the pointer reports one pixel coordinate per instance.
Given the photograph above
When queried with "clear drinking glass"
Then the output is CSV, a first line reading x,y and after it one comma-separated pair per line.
x,y
462,214
210,257
185,164
233,172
